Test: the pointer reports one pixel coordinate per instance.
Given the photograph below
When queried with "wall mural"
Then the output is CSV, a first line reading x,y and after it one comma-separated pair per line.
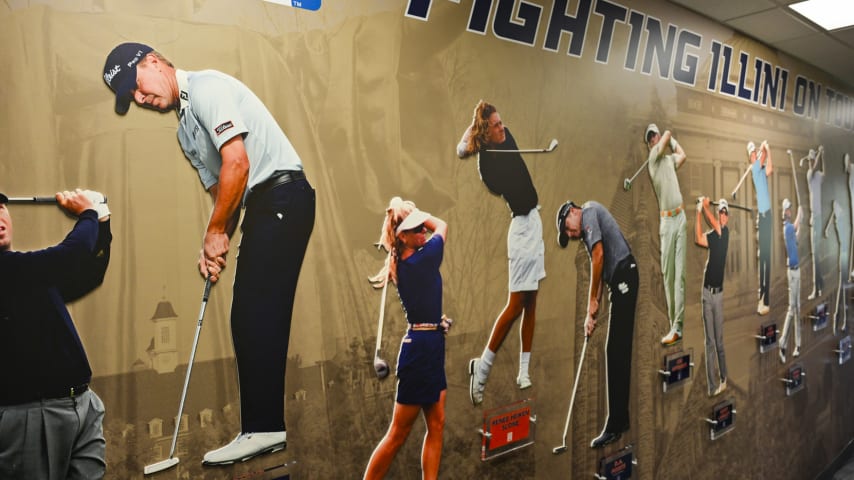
x,y
298,125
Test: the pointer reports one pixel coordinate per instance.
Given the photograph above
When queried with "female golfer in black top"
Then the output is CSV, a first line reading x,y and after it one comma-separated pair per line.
x,y
504,173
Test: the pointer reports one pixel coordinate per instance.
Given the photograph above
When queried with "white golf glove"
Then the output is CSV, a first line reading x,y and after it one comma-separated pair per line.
x,y
446,324
99,201
673,144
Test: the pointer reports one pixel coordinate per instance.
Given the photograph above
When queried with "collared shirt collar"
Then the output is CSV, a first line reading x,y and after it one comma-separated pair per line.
x,y
183,90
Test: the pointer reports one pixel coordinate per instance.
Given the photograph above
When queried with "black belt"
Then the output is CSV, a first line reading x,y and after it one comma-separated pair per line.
x,y
279,177
793,268
714,290
68,392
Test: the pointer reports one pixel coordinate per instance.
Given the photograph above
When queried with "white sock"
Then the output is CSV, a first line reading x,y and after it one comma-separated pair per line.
x,y
486,359
524,361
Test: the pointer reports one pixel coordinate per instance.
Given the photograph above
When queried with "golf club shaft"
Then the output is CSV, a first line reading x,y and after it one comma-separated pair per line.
x,y
574,389
382,305
795,177
548,149
51,200
190,365
736,206
38,199
746,172
643,165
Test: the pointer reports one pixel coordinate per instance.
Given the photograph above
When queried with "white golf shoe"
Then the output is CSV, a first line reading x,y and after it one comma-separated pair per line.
x,y
524,381
246,446
477,383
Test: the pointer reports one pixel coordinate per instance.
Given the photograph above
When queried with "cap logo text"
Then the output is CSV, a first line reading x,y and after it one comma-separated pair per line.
x,y
108,77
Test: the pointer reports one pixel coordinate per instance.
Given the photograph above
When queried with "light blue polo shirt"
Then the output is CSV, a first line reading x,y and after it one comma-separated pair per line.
x,y
760,184
215,108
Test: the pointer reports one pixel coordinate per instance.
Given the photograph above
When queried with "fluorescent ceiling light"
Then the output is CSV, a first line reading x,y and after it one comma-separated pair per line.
x,y
829,14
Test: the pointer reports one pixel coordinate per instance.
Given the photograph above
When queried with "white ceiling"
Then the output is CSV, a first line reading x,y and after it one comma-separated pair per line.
x,y
773,23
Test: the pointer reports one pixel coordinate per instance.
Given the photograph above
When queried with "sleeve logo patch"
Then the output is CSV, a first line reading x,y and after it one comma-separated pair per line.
x,y
223,127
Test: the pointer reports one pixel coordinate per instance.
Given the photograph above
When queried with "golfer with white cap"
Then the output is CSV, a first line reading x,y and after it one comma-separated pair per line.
x,y
612,264
760,169
672,227
717,241
413,266
793,274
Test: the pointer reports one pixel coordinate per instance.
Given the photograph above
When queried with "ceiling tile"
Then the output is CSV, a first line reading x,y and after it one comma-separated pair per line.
x,y
771,26
845,35
820,50
722,10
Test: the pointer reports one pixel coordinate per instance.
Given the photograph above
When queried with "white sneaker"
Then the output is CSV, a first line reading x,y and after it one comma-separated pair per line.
x,y
476,383
763,309
524,381
782,355
246,446
797,352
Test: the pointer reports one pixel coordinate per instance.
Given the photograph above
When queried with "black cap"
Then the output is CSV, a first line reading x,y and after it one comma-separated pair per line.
x,y
4,198
120,72
562,212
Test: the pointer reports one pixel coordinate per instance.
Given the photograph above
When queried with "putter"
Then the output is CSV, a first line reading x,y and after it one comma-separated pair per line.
x,y
562,447
548,149
173,460
381,366
627,183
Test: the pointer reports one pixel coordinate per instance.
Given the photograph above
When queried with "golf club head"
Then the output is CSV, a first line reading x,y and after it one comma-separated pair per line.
x,y
552,145
381,368
627,184
160,466
559,450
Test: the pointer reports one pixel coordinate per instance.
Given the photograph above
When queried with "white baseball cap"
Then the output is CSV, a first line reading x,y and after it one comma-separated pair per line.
x,y
723,205
787,204
651,128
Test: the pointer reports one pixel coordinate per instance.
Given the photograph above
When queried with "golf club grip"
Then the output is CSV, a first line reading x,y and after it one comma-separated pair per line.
x,y
32,200
207,289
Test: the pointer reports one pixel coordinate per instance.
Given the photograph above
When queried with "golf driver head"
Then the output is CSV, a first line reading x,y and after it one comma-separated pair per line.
x,y
381,368
559,450
627,184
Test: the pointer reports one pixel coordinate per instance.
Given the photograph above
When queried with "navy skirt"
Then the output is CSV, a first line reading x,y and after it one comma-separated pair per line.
x,y
421,368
